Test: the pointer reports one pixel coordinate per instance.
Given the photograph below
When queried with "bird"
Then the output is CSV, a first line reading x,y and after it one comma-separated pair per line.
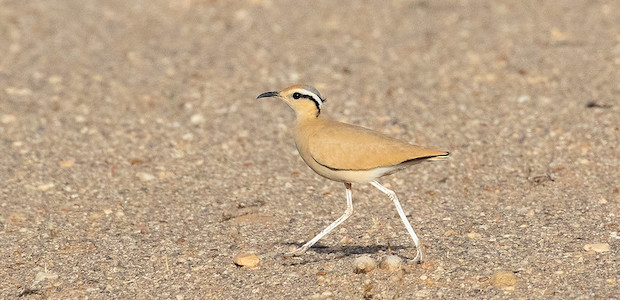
x,y
348,153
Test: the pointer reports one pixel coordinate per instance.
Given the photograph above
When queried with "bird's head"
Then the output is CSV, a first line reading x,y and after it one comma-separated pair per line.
x,y
305,100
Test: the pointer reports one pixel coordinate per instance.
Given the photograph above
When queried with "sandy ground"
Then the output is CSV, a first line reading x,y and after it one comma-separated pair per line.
x,y
136,162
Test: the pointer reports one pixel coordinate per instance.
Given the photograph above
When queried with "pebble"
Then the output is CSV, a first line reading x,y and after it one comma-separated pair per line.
x,y
364,264
165,175
392,263
422,294
324,295
558,35
473,235
67,163
6,119
604,247
504,280
197,119
46,186
41,276
187,137
17,91
145,176
54,79
246,259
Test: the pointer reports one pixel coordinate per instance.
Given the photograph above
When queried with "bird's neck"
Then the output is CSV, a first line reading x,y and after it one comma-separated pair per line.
x,y
304,117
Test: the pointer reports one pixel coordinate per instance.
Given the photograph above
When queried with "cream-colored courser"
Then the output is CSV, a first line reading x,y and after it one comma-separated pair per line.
x,y
348,153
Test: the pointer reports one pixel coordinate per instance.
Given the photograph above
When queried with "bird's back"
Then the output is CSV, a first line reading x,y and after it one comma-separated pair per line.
x,y
342,146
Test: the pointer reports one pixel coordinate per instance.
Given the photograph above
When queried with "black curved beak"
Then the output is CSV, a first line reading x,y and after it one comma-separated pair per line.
x,y
267,95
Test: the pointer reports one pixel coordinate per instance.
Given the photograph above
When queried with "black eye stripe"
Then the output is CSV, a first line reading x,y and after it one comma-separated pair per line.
x,y
300,95
311,97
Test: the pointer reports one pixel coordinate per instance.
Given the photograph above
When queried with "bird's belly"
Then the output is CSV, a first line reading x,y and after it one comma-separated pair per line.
x,y
353,176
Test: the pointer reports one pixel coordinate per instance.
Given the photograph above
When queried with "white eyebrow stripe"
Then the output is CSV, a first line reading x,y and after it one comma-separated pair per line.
x,y
312,96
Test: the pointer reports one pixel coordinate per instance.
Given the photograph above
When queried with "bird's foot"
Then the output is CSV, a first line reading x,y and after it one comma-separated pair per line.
x,y
297,252
418,256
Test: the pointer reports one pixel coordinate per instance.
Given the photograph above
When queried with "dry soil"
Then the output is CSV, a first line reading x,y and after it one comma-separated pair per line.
x,y
136,162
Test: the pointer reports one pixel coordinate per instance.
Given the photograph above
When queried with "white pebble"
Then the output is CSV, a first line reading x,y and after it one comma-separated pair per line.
x,y
145,176
41,276
197,119
392,263
364,264
6,119
597,247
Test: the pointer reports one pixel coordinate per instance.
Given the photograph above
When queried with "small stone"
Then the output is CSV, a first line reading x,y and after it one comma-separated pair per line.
x,y
523,98
241,14
345,241
558,35
422,294
504,280
364,264
6,119
197,119
67,163
17,91
392,263
46,186
165,175
41,276
54,79
599,248
473,235
188,137
243,133
450,233
15,217
145,176
246,259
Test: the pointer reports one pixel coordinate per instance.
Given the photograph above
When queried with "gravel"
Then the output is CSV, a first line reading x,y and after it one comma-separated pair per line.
x,y
136,162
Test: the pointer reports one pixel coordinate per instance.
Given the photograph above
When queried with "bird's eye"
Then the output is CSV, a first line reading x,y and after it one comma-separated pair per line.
x,y
296,95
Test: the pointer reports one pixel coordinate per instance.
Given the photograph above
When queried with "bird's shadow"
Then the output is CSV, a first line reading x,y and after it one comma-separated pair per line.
x,y
324,253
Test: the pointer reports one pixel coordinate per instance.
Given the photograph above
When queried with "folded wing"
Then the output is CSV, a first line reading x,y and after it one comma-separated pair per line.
x,y
347,147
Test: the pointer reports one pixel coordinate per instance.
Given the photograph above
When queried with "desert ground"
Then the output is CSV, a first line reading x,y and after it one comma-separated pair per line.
x,y
137,163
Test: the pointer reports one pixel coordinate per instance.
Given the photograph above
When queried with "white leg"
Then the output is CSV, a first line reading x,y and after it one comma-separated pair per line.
x,y
347,214
401,213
